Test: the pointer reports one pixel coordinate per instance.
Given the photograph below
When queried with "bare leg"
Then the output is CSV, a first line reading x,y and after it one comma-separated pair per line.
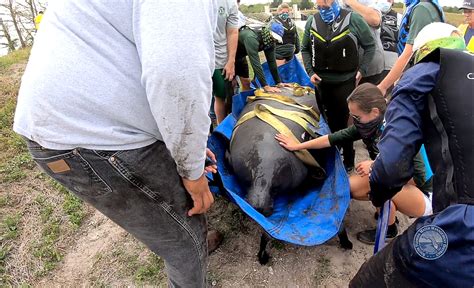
x,y
219,109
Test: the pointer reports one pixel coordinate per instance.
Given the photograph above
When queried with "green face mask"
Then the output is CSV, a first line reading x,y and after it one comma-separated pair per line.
x,y
452,42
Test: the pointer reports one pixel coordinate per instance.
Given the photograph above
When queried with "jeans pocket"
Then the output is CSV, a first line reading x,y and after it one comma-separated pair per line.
x,y
72,170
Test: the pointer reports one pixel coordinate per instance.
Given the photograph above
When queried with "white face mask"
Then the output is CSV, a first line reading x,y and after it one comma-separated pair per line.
x,y
384,6
367,2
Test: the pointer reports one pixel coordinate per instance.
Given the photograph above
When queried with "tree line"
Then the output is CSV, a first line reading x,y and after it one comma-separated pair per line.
x,y
17,22
309,4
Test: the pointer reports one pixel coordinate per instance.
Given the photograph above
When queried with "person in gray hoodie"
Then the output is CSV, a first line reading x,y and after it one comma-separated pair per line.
x,y
117,112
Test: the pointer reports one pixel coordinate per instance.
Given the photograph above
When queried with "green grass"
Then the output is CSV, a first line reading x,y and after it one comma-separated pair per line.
x,y
9,227
151,272
72,206
45,248
4,278
14,169
13,58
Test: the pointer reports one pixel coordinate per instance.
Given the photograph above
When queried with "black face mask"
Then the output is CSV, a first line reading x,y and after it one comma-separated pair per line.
x,y
369,129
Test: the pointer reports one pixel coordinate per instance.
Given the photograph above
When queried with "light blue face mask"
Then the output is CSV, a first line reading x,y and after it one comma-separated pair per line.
x,y
384,6
284,16
329,14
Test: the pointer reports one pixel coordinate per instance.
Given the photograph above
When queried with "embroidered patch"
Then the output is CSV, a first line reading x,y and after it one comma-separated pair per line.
x,y
430,242
221,10
59,166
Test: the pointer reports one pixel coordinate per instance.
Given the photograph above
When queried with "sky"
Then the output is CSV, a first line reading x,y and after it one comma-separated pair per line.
x,y
442,2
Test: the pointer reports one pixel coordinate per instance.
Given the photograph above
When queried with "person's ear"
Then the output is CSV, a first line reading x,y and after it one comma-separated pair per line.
x,y
376,111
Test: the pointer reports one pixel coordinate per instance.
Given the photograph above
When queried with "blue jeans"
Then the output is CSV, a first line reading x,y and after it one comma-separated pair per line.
x,y
141,191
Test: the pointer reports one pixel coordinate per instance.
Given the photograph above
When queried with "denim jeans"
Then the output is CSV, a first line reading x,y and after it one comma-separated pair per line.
x,y
141,191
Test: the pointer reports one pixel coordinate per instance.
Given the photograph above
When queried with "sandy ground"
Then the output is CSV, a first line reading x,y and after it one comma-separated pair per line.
x,y
234,263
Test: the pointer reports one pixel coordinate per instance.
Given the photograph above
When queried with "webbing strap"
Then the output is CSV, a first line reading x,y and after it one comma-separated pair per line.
x,y
382,226
265,113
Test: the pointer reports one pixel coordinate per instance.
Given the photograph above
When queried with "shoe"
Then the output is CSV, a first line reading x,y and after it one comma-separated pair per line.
x,y
368,236
376,217
214,240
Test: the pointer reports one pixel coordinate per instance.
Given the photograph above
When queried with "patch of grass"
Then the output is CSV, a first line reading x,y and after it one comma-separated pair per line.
x,y
14,57
278,245
13,169
10,226
4,199
152,271
56,185
322,270
4,278
73,207
45,249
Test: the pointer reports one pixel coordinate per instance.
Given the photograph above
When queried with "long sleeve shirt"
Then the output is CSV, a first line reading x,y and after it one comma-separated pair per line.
x,y
362,32
403,133
114,76
250,43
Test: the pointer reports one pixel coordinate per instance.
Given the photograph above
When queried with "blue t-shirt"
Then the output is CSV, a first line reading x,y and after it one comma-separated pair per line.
x,y
468,35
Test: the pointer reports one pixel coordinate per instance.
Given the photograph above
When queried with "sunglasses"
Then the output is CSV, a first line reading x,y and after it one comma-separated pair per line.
x,y
355,117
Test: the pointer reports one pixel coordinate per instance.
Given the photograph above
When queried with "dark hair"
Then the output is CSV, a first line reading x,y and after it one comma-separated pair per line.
x,y
368,96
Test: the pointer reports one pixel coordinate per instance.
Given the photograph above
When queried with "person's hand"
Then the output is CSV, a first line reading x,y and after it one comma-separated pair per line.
x,y
281,85
271,89
363,168
229,70
358,77
200,193
315,79
211,168
287,142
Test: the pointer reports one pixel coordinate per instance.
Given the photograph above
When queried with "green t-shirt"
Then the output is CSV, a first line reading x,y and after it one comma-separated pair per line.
x,y
423,14
350,134
250,43
365,39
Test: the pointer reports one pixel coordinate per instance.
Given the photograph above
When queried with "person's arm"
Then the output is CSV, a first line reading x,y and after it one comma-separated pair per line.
x,y
397,69
344,136
372,16
306,51
272,65
420,17
180,110
366,41
291,145
251,45
232,41
402,137
297,42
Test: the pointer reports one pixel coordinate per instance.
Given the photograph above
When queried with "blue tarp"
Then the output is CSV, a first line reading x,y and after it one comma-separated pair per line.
x,y
312,217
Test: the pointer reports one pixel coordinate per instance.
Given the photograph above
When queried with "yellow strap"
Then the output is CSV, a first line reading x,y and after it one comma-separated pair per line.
x,y
299,118
264,113
267,117
261,95
318,36
340,35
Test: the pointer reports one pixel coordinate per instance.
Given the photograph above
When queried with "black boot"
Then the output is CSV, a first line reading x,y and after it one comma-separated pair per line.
x,y
368,236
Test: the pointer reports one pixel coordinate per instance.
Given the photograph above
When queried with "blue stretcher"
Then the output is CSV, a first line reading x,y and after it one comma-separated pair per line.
x,y
312,217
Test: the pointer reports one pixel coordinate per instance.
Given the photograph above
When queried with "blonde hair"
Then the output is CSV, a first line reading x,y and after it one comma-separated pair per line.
x,y
283,6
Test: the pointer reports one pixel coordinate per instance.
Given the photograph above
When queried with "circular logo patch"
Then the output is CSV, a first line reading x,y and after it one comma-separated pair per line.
x,y
431,242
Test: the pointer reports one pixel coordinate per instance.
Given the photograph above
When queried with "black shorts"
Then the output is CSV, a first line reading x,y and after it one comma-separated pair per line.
x,y
242,67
